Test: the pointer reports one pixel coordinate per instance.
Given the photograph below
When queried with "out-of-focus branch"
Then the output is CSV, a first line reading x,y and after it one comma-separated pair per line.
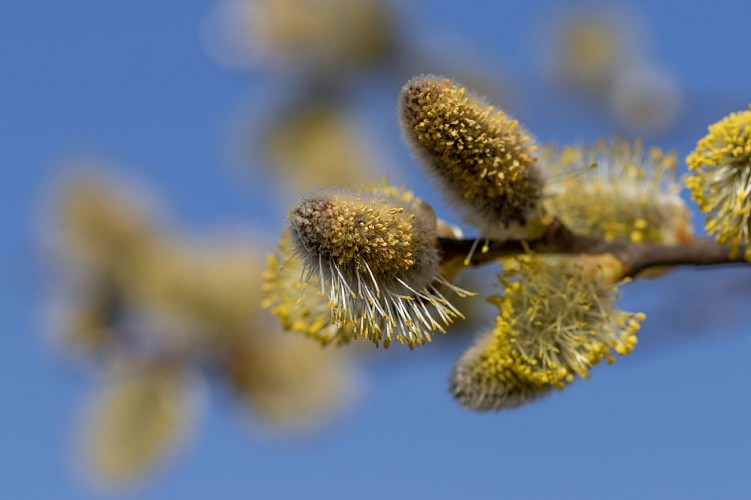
x,y
635,258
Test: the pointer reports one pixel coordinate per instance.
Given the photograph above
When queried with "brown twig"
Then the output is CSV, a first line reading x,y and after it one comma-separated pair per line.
x,y
635,258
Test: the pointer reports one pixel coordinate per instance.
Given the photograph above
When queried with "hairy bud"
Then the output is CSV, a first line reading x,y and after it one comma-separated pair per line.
x,y
481,157
377,260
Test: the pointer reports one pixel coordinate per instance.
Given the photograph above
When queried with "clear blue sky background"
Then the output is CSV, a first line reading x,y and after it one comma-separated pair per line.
x,y
129,80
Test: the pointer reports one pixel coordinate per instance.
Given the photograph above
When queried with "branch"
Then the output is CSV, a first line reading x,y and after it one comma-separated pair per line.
x,y
635,258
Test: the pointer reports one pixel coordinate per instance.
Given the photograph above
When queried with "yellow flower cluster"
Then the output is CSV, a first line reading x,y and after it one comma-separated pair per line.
x,y
720,180
617,191
556,321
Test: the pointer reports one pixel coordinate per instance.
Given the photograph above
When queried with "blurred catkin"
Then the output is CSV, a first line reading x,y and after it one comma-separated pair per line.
x,y
136,422
155,309
289,382
317,145
320,37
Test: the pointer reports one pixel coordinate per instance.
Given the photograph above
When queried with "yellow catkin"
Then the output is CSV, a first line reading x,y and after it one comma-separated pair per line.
x,y
481,158
617,190
555,322
377,261
720,180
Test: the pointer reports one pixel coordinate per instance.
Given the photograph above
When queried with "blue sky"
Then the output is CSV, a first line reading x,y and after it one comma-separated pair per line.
x,y
130,82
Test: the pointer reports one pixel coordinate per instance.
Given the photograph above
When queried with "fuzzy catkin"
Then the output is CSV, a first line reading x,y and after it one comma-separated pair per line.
x,y
377,261
481,158
720,180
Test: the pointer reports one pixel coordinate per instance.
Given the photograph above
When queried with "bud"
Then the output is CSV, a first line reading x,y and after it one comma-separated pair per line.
x,y
377,260
721,179
617,191
481,157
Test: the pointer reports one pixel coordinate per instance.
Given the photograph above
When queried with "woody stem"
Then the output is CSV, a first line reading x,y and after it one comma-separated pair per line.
x,y
635,258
